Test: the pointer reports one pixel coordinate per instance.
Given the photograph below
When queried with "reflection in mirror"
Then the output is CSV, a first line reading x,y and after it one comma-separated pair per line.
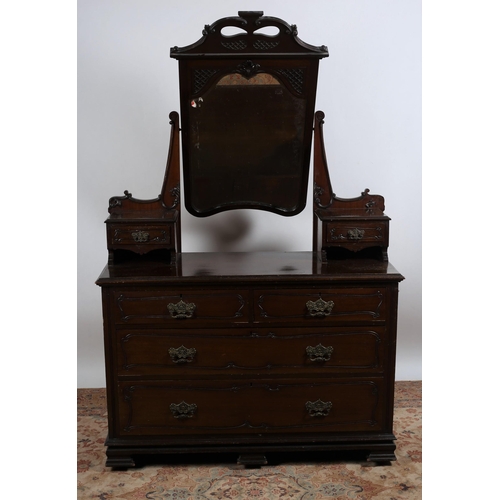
x,y
258,79
246,147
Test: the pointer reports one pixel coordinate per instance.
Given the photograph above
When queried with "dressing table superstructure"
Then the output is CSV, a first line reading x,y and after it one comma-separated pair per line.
x,y
248,352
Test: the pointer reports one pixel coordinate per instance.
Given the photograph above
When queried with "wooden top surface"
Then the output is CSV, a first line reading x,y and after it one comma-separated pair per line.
x,y
239,268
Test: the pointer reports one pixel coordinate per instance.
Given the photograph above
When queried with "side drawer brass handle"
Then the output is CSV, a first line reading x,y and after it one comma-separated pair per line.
x,y
318,408
183,410
319,353
355,234
319,308
140,236
182,354
181,310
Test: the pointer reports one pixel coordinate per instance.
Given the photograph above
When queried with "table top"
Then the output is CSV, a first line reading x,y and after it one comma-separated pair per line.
x,y
240,267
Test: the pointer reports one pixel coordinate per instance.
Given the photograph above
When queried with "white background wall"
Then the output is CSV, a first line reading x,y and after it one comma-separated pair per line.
x,y
369,89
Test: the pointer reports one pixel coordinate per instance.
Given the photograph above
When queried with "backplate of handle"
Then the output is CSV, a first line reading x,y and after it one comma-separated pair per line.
x,y
181,310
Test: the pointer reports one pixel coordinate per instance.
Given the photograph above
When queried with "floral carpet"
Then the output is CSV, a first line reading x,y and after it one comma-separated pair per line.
x,y
321,478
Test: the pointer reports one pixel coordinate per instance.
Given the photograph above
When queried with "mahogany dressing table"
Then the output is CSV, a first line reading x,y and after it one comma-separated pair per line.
x,y
248,353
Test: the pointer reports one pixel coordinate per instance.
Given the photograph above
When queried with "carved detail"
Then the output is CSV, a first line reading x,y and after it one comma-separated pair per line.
x,y
116,201
319,308
339,237
116,238
265,45
181,310
182,354
318,193
248,69
206,30
201,77
250,22
235,45
318,408
183,410
296,78
175,193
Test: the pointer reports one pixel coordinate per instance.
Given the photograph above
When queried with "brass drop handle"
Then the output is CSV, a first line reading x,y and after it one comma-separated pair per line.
x,y
181,310
140,236
318,408
319,308
355,234
183,410
182,354
319,353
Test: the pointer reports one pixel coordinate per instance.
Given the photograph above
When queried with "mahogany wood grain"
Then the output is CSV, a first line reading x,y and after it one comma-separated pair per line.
x,y
248,353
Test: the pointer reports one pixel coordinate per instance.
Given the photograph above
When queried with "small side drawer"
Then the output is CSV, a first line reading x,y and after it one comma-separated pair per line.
x,y
130,234
326,306
263,407
357,234
187,309
256,352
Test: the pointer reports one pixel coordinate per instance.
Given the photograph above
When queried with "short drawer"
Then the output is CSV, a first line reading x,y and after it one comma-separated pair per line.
x,y
321,307
256,408
357,233
121,234
186,309
247,352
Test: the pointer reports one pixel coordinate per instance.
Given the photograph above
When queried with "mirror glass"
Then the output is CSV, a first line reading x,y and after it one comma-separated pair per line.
x,y
246,147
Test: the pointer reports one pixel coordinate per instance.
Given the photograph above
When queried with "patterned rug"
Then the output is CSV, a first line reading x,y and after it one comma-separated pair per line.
x,y
286,478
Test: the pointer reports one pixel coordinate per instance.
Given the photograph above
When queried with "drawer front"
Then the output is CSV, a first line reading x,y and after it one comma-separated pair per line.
x,y
188,309
250,352
258,408
321,307
360,234
121,234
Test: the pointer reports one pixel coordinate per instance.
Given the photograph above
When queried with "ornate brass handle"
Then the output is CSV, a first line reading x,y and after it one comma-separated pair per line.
x,y
318,408
183,410
355,234
319,353
319,308
181,310
140,236
182,354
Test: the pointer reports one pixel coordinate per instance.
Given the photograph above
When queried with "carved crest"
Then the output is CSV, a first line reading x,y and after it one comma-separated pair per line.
x,y
251,39
248,69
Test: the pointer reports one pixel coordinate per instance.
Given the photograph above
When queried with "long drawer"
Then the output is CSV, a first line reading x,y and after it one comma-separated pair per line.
x,y
190,309
250,351
152,408
320,307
